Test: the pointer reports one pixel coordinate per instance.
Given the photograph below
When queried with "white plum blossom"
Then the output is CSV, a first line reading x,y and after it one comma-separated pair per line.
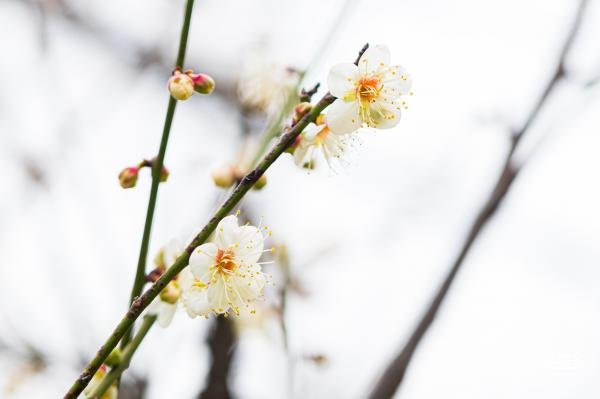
x,y
224,274
164,305
368,95
318,138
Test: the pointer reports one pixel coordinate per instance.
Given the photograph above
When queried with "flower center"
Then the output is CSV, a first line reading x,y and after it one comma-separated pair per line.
x,y
224,261
368,88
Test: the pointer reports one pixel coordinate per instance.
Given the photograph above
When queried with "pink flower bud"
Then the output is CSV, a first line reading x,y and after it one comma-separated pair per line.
x,y
128,177
203,83
164,174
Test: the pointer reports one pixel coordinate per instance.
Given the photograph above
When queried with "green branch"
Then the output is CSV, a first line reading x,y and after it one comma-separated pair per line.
x,y
181,262
114,374
157,165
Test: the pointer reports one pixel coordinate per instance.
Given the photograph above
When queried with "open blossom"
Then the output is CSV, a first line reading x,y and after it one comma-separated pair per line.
x,y
165,304
318,138
368,94
224,274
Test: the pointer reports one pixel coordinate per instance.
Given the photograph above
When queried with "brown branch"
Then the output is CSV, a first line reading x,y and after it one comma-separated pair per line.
x,y
221,342
394,373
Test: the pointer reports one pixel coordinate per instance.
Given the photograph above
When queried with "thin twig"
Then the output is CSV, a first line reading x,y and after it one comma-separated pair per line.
x,y
221,342
157,165
396,369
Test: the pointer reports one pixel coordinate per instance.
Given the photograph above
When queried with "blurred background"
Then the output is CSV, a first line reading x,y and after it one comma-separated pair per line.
x,y
84,95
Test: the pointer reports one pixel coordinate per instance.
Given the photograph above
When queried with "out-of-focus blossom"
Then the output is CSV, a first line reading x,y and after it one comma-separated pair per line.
x,y
369,95
224,176
225,273
266,85
164,305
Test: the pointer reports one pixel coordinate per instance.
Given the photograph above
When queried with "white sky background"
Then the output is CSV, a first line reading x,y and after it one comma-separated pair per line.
x,y
521,320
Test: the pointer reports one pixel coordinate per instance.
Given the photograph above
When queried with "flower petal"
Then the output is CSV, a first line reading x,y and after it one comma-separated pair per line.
x,y
386,114
252,288
374,59
300,153
196,302
172,251
342,117
396,82
249,245
166,313
342,79
226,232
202,259
218,297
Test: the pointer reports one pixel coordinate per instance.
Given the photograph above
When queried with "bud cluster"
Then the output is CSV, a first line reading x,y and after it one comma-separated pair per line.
x,y
129,175
182,85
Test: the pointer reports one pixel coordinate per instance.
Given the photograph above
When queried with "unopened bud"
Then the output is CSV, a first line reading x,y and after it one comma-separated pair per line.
x,y
128,177
164,174
181,86
114,358
300,110
171,292
224,177
260,183
203,83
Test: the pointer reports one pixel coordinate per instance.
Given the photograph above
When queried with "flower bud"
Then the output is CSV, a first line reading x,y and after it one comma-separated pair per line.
x,y
164,175
114,358
181,86
203,83
171,292
260,183
300,110
128,177
224,177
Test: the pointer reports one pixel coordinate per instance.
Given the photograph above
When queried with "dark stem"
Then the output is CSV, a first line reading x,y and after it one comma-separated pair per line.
x,y
157,165
394,373
221,342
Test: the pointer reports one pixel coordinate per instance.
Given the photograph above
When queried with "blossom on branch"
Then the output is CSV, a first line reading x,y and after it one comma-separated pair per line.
x,y
368,95
224,274
318,138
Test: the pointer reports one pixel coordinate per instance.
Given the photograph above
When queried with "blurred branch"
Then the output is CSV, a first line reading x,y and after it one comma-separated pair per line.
x,y
221,342
394,373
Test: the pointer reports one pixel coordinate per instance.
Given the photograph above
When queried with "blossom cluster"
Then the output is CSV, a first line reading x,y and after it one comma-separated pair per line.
x,y
369,95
